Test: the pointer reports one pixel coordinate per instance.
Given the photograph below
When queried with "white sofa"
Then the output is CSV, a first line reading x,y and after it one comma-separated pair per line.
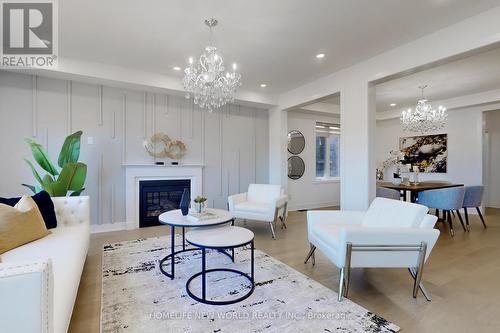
x,y
39,281
390,234
262,202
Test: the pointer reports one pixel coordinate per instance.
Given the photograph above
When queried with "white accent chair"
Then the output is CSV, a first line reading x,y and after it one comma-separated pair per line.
x,y
262,202
39,280
390,234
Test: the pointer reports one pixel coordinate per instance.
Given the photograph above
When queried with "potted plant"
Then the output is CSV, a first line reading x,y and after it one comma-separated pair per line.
x,y
69,177
200,204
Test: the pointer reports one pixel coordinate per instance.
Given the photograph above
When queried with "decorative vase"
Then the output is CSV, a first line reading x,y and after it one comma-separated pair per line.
x,y
199,207
184,204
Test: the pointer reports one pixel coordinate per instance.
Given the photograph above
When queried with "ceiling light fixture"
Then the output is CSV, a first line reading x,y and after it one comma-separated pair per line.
x,y
393,104
176,68
206,80
320,55
263,85
424,118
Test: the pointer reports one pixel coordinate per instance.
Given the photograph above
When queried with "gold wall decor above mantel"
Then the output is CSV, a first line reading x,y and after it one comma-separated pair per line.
x,y
161,146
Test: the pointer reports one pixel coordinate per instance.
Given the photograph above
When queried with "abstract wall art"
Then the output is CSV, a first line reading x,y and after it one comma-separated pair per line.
x,y
428,152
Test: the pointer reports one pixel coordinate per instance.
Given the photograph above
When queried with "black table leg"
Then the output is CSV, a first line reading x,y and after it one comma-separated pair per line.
x,y
252,262
203,275
183,239
172,251
204,271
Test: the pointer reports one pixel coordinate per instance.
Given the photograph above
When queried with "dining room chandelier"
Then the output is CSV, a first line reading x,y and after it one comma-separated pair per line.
x,y
424,118
206,79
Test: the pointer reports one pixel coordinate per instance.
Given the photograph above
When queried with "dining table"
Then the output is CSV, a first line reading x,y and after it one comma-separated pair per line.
x,y
415,188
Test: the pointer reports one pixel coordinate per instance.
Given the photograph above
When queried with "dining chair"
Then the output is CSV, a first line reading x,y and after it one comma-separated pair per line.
x,y
448,200
472,199
388,193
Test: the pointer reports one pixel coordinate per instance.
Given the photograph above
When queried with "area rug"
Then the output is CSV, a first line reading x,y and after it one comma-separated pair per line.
x,y
137,297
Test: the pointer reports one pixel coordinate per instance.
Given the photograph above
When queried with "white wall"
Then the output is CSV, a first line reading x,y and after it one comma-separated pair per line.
x,y
465,161
232,143
492,126
306,192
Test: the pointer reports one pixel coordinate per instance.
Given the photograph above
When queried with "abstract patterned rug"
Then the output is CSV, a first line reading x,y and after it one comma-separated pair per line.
x,y
136,297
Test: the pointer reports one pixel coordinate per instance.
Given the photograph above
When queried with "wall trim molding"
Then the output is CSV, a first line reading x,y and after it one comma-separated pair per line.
x,y
100,112
124,129
107,227
99,187
144,115
70,106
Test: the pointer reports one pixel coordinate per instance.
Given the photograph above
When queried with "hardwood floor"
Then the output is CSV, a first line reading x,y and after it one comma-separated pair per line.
x,y
462,276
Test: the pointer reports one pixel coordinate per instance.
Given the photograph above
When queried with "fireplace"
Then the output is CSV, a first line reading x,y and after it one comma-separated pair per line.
x,y
158,196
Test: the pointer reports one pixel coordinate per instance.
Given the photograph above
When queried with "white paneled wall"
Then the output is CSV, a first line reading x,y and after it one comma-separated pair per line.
x,y
232,143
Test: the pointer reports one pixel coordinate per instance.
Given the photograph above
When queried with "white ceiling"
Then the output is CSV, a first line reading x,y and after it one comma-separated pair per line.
x,y
274,42
477,73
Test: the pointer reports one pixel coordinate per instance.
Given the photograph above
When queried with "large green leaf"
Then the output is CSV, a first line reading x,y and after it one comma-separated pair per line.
x,y
73,176
47,184
41,157
47,179
70,151
35,173
56,189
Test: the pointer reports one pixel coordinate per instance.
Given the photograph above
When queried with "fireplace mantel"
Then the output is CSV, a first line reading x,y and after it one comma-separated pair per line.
x,y
134,173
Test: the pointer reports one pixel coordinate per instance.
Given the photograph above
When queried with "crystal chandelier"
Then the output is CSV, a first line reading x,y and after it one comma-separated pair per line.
x,y
206,80
424,118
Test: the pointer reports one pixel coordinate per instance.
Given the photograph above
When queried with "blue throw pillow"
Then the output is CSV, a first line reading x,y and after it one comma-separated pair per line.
x,y
45,205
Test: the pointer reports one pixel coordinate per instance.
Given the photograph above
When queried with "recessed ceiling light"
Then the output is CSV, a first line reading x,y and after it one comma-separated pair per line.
x,y
176,68
263,85
393,104
320,55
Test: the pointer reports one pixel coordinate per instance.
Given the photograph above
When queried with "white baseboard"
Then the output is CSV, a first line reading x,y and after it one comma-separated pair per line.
x,y
312,206
494,204
107,227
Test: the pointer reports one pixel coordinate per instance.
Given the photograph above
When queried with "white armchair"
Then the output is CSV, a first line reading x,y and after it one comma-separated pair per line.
x,y
262,202
390,234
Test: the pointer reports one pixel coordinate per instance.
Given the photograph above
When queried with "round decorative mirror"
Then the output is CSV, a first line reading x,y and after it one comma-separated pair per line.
x,y
296,167
296,142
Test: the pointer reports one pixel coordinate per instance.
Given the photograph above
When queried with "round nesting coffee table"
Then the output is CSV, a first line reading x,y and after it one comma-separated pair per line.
x,y
220,238
174,218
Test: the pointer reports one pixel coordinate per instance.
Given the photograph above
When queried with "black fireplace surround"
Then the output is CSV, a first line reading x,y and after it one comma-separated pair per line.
x,y
158,196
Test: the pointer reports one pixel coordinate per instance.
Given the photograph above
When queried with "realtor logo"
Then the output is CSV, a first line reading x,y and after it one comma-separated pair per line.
x,y
29,34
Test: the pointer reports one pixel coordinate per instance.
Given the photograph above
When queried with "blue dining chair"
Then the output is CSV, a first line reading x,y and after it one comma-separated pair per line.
x,y
388,193
448,200
472,199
